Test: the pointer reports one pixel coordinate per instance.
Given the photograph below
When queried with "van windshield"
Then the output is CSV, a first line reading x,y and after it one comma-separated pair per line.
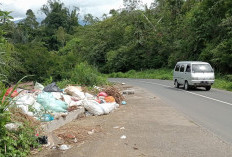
x,y
202,68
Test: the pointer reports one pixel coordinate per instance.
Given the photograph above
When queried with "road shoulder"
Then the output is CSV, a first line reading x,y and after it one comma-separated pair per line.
x,y
151,127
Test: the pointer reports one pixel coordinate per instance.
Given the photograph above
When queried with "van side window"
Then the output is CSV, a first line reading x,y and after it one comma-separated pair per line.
x,y
188,68
182,68
177,68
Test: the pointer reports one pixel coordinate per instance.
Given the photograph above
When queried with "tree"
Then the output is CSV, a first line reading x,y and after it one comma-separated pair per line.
x,y
29,26
5,16
131,5
60,34
57,15
89,19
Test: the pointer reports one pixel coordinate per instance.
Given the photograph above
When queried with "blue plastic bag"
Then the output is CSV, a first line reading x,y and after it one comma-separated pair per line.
x,y
50,103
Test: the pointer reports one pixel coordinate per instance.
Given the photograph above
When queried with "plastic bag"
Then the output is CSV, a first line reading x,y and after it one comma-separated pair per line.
x,y
93,107
52,88
89,96
13,94
50,103
25,110
108,107
109,99
47,118
38,86
25,100
57,95
74,91
37,107
67,99
102,94
13,126
76,103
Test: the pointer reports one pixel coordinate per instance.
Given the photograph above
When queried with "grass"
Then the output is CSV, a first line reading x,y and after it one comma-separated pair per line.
x,y
163,74
221,82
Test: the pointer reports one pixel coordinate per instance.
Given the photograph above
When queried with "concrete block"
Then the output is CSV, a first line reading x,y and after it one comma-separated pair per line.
x,y
128,91
56,123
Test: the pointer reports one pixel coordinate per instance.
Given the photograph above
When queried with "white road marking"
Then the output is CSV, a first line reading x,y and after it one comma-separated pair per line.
x,y
156,84
190,93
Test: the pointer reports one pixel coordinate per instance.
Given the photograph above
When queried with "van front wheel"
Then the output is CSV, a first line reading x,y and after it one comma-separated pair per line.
x,y
186,85
176,84
207,88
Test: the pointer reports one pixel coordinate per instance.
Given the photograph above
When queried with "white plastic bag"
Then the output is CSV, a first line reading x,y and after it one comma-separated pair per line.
x,y
108,107
38,107
67,99
38,86
13,126
76,103
93,107
24,108
24,100
89,96
74,91
57,95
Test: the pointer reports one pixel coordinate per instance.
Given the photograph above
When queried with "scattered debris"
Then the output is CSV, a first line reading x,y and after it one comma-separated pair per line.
x,y
123,103
47,118
75,140
43,140
91,132
64,147
123,137
13,126
116,127
87,114
128,91
122,128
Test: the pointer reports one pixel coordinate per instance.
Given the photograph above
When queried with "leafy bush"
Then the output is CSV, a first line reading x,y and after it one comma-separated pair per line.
x,y
87,75
14,143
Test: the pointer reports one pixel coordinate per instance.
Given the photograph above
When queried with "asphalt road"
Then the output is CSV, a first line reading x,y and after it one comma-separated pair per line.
x,y
210,109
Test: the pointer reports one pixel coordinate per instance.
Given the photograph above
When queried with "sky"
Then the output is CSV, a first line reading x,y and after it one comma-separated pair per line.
x,y
96,7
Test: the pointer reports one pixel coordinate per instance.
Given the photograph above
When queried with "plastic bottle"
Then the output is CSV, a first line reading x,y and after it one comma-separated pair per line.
x,y
47,118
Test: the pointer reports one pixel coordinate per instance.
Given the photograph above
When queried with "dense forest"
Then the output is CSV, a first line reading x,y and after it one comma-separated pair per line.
x,y
134,37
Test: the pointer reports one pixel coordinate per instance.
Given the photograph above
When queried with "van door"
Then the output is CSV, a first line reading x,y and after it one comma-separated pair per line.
x,y
182,68
187,74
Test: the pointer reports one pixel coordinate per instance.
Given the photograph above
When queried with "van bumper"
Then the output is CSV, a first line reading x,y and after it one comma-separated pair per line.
x,y
202,83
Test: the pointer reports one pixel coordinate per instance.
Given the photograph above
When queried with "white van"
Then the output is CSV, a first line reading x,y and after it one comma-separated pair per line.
x,y
193,74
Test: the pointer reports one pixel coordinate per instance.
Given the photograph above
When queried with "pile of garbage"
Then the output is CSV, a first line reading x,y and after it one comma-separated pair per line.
x,y
51,102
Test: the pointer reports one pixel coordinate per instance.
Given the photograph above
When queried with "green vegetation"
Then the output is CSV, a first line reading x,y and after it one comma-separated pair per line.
x,y
15,142
222,82
163,74
134,37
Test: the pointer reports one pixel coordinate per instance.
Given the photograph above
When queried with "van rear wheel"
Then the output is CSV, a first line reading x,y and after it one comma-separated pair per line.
x,y
207,88
176,84
186,85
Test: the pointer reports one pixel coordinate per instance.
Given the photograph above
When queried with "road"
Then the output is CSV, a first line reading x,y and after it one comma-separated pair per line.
x,y
210,109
